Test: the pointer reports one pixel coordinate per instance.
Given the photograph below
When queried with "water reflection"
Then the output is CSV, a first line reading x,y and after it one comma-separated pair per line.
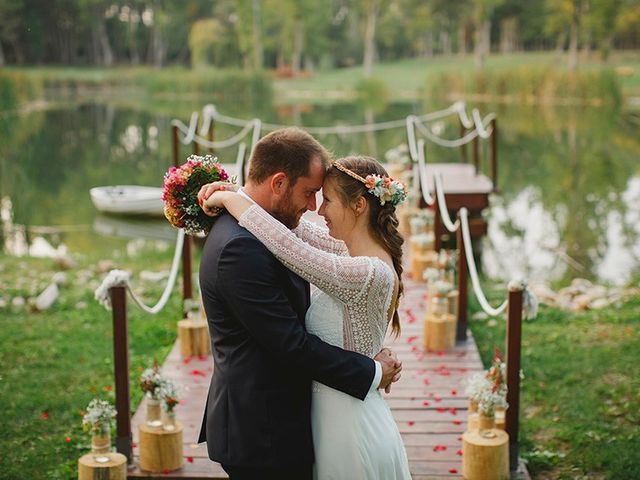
x,y
568,203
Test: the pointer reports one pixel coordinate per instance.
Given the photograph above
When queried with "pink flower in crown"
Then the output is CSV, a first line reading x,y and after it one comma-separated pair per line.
x,y
386,181
370,182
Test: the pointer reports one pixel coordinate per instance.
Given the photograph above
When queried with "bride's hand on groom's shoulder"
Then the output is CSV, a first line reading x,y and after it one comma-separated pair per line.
x,y
391,368
210,205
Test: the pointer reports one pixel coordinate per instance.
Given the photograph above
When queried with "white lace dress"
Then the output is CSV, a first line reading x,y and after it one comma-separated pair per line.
x,y
353,439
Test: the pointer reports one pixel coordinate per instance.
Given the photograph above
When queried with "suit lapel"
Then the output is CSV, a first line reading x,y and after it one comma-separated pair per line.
x,y
302,299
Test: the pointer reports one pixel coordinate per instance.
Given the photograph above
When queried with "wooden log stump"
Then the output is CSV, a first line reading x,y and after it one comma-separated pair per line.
x,y
113,469
485,458
160,450
453,297
420,262
194,338
439,331
501,418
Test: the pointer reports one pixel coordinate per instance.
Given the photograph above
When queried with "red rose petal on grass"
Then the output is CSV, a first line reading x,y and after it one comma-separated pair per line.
x,y
412,339
411,423
412,320
414,348
189,459
453,470
459,453
441,409
454,392
457,422
453,411
437,398
202,358
197,372
440,353
186,360
425,403
67,439
425,381
439,448
44,415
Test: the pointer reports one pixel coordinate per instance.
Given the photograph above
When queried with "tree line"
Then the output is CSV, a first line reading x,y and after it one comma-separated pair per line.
x,y
296,35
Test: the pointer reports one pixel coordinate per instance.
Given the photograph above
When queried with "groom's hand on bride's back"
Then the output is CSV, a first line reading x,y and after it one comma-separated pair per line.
x,y
391,368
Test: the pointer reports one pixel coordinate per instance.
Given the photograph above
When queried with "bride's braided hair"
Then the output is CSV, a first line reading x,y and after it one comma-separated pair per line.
x,y
382,218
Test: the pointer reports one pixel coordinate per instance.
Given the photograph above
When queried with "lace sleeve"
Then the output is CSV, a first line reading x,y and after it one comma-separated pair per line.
x,y
319,237
347,278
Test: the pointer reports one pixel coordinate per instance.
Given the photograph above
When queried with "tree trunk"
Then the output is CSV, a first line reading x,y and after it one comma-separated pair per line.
x,y
298,46
2,60
509,35
258,56
105,57
369,38
573,39
445,41
133,43
462,39
483,42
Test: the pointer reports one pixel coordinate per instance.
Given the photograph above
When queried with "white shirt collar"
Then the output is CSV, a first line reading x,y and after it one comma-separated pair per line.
x,y
245,195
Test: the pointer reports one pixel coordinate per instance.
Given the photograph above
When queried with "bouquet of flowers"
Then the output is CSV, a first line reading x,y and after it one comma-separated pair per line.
x,y
98,417
180,192
151,382
168,392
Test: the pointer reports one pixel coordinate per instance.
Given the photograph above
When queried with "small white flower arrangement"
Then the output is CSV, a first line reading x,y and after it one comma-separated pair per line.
x,y
423,240
151,381
168,393
441,287
431,275
98,417
398,155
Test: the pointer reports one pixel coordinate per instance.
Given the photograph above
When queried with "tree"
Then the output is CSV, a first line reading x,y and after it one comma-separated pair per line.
x,y
566,15
372,10
482,12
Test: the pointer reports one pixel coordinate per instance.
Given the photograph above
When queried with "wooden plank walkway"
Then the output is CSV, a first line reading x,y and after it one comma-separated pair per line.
x,y
428,402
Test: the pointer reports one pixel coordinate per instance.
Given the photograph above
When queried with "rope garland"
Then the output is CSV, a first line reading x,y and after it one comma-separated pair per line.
x,y
116,278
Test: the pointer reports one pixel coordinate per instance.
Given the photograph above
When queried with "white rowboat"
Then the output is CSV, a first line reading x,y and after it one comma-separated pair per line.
x,y
128,200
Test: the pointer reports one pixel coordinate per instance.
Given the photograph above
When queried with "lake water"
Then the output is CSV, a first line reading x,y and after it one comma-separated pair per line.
x,y
569,178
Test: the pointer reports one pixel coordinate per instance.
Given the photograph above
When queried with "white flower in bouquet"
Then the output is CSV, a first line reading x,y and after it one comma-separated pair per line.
x,y
489,400
150,382
431,275
98,417
441,287
476,384
168,393
423,239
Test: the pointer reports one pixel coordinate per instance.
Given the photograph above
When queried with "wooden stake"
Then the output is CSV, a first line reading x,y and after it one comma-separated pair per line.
x,y
494,155
121,365
514,341
461,334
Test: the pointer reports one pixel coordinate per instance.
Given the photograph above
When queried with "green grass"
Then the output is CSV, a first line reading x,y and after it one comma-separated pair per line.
x,y
580,399
58,360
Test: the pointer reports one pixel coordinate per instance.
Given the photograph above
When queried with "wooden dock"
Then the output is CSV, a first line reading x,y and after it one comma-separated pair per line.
x,y
428,402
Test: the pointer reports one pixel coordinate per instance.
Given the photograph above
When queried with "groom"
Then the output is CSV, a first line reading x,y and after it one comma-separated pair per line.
x,y
257,421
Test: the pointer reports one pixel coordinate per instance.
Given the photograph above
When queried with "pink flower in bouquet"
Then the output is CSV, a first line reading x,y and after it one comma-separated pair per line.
x,y
180,192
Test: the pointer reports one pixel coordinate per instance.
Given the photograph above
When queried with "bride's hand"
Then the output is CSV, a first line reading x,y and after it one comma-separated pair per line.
x,y
207,189
214,204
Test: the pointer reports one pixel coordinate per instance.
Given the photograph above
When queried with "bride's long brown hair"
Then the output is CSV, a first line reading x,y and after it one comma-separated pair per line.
x,y
382,218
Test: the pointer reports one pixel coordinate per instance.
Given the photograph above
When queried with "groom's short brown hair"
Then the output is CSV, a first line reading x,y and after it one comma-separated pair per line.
x,y
288,150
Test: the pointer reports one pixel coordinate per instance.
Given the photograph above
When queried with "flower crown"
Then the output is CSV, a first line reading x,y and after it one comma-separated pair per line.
x,y
385,188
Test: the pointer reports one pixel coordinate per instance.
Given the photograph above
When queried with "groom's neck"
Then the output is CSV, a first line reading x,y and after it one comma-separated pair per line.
x,y
259,194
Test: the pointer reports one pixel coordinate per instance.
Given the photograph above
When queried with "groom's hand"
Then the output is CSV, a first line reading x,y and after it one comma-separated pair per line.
x,y
391,368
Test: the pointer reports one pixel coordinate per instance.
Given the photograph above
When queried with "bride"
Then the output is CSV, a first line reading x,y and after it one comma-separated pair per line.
x,y
357,267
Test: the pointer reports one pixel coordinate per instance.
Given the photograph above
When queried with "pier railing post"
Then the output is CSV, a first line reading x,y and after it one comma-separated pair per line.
x,y
121,367
514,342
212,135
494,154
461,333
463,147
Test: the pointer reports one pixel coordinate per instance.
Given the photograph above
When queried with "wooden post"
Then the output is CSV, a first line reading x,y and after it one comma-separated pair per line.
x,y
196,147
187,290
494,154
461,334
476,152
514,341
176,145
212,134
463,147
121,366
437,225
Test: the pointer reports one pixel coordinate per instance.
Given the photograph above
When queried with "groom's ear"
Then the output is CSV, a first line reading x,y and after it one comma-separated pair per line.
x,y
279,183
